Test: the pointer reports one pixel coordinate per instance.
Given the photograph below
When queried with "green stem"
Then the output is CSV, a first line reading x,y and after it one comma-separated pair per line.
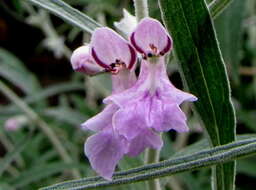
x,y
233,151
152,156
46,129
9,147
141,9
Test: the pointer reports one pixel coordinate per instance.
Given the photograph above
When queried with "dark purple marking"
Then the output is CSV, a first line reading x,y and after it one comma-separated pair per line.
x,y
167,47
94,55
135,45
133,56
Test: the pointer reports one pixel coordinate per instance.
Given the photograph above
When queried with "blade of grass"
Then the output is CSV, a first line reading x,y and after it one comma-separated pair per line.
x,y
40,123
68,13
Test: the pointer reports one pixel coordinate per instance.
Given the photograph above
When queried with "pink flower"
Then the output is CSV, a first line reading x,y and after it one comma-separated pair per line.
x,y
139,109
152,104
111,52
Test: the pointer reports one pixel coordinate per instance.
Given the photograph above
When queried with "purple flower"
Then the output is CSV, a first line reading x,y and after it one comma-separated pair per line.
x,y
152,104
111,52
139,109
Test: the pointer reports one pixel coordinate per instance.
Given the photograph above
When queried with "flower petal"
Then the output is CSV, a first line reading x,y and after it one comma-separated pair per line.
x,y
169,91
101,120
129,121
104,150
146,139
82,61
173,118
123,80
108,47
150,34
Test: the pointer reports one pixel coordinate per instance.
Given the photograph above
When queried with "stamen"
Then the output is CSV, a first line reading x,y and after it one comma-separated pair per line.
x,y
112,65
154,48
117,66
144,56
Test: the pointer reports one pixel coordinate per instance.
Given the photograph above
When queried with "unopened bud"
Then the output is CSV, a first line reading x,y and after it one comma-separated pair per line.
x,y
82,61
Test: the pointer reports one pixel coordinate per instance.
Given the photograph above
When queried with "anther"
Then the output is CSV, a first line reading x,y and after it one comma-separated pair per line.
x,y
153,48
112,65
150,55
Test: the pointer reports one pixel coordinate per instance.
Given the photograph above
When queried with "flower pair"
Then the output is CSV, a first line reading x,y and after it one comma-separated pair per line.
x,y
138,108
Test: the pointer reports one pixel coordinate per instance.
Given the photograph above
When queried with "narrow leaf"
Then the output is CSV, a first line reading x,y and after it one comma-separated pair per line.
x,y
217,6
40,172
13,70
43,94
67,13
229,32
19,147
204,73
65,115
214,156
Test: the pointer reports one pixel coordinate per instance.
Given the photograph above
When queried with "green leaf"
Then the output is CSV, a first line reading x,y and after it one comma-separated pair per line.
x,y
205,158
66,115
204,73
67,13
43,94
19,147
37,173
229,31
217,6
247,166
128,163
248,118
5,186
12,69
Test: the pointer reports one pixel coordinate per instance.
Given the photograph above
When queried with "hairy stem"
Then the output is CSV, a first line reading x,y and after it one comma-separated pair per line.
x,y
141,9
152,156
217,155
46,129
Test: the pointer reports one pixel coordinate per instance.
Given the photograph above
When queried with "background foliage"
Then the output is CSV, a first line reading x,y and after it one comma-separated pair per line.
x,y
34,63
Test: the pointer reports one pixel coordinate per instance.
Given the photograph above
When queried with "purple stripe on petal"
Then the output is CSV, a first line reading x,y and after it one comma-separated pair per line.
x,y
110,48
135,45
150,37
133,57
167,47
94,55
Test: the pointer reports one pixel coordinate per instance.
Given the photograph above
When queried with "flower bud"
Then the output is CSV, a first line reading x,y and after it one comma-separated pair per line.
x,y
82,61
127,24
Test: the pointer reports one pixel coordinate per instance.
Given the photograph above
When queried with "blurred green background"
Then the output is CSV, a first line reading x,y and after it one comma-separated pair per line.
x,y
34,63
